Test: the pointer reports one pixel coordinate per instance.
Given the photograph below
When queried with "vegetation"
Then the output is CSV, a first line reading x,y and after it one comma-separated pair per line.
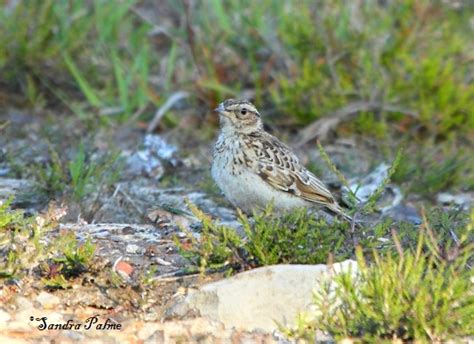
x,y
23,249
78,177
411,58
295,238
428,169
82,43
414,294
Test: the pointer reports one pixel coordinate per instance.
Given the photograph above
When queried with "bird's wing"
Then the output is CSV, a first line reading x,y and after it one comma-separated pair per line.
x,y
280,168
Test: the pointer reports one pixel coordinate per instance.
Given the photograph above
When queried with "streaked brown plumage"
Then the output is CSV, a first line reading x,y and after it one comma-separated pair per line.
x,y
253,168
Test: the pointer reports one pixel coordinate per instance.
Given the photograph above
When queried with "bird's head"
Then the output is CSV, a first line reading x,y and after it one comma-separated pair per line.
x,y
239,115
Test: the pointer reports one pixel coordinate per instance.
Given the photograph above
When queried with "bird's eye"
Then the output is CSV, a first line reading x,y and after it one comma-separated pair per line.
x,y
243,111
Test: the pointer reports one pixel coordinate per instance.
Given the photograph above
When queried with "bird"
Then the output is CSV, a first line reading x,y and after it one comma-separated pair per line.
x,y
254,169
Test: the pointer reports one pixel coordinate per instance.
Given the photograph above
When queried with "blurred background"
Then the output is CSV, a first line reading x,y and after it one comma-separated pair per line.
x,y
106,127
82,84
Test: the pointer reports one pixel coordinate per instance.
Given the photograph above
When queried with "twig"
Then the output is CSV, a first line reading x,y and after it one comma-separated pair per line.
x,y
328,51
132,202
187,273
175,275
396,241
136,114
163,278
353,227
4,125
156,28
454,237
190,32
116,191
321,127
174,98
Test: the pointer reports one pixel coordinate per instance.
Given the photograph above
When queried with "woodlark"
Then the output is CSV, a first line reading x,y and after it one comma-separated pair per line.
x,y
254,169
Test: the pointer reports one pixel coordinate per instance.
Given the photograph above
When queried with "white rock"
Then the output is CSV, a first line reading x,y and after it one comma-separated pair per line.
x,y
261,298
47,300
162,261
23,304
11,340
11,187
19,326
465,200
148,330
134,249
4,318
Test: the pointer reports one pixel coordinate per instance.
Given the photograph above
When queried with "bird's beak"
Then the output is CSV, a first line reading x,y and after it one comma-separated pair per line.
x,y
220,108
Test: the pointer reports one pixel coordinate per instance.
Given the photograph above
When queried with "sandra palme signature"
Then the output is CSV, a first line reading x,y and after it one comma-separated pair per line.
x,y
91,323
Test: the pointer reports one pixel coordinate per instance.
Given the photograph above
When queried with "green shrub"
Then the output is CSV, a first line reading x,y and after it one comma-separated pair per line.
x,y
412,295
24,247
78,177
409,57
427,169
298,237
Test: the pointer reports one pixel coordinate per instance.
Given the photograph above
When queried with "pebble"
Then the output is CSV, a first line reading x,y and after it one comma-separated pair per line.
x,y
162,261
47,300
135,249
124,269
148,330
4,318
23,304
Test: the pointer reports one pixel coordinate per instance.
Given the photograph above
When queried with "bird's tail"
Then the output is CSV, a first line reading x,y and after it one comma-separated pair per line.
x,y
337,210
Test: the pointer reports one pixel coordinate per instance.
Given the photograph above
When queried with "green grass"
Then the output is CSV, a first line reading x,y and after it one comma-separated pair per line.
x,y
24,249
411,295
78,176
77,50
72,260
19,244
428,168
413,58
294,238
316,58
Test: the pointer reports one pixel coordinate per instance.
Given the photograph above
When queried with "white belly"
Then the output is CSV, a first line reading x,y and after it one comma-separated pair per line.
x,y
249,192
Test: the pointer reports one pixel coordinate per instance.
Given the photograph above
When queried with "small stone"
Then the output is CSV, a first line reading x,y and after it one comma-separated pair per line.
x,y
124,269
404,213
464,200
157,337
135,249
19,326
162,261
11,340
148,330
11,187
47,300
55,318
23,304
4,318
151,251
